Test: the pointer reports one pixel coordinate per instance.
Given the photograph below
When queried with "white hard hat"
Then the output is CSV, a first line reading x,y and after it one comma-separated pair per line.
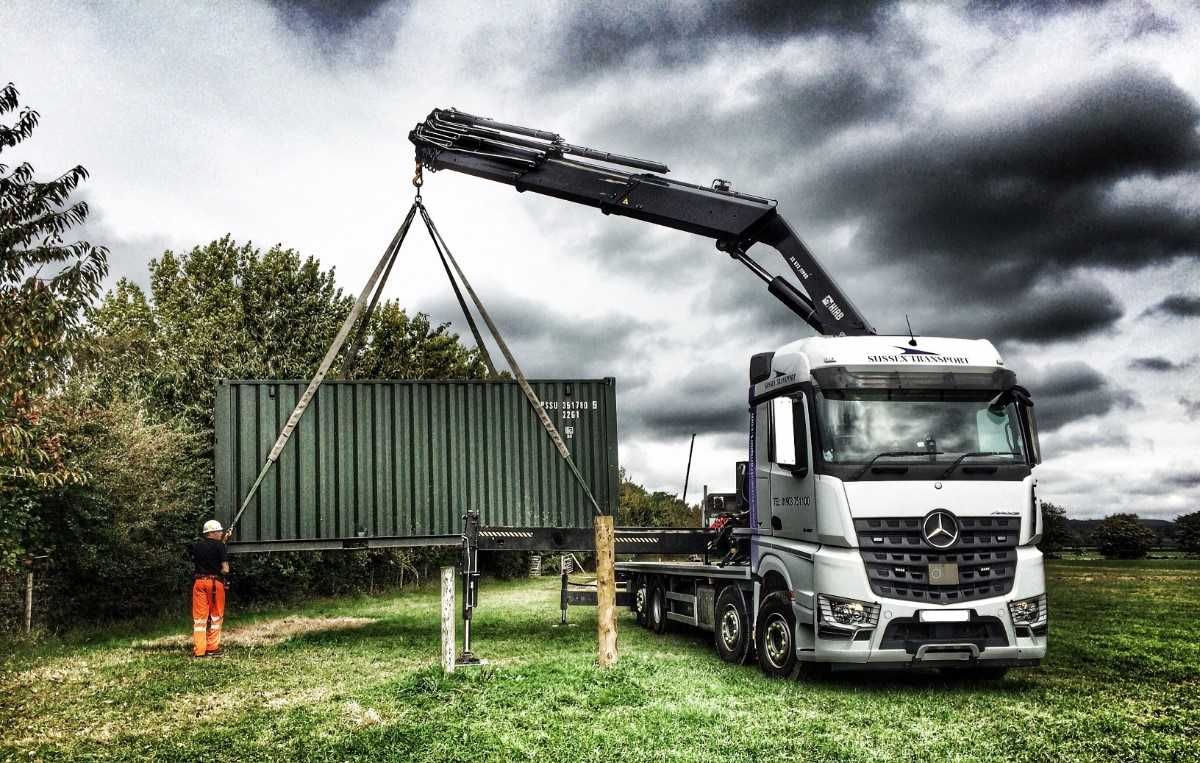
x,y
212,526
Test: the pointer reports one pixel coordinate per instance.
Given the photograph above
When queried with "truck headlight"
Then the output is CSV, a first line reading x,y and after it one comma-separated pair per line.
x,y
848,613
1031,612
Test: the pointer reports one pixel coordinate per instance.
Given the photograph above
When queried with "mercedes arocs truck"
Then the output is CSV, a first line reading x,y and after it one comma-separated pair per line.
x,y
887,515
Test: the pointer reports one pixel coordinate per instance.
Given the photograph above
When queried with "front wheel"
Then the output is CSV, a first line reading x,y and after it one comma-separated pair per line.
x,y
775,637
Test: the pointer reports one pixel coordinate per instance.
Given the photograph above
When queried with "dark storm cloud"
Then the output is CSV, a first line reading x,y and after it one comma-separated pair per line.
x,y
1191,408
1159,364
1185,479
360,29
1031,190
547,342
706,401
1071,391
1048,315
1008,13
1176,306
1008,206
601,36
1081,441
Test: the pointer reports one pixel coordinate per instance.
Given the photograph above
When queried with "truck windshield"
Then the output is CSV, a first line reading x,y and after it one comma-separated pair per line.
x,y
860,424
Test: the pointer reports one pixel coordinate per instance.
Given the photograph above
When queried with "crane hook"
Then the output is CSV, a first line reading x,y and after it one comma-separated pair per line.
x,y
418,179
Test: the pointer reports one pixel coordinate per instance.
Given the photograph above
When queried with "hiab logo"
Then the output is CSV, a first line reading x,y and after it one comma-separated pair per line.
x,y
913,355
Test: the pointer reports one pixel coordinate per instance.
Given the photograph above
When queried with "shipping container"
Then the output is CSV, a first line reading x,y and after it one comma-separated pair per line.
x,y
399,462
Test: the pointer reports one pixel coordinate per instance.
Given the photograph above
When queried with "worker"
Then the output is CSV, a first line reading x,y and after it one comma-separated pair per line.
x,y
211,561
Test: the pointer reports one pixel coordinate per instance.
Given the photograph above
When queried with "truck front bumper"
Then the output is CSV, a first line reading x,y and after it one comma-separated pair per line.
x,y
901,641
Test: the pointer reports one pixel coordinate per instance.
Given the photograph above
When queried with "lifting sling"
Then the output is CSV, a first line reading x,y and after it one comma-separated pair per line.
x,y
368,298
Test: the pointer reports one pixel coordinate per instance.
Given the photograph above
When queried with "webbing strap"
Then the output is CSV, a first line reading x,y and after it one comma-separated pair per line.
x,y
323,369
462,303
444,251
351,359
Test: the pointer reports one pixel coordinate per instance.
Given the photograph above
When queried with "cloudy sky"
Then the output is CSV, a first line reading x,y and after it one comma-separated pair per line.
x,y
1027,172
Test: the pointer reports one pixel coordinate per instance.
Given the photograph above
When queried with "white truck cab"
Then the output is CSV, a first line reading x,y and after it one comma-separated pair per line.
x,y
890,521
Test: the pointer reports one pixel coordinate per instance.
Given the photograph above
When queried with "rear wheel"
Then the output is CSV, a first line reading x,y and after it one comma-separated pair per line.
x,y
731,629
656,616
641,602
775,637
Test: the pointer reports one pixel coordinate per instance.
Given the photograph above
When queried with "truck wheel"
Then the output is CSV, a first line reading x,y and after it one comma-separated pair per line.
x,y
656,614
731,628
641,603
775,637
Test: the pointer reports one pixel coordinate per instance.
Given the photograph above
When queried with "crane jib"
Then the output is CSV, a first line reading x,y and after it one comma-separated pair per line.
x,y
539,161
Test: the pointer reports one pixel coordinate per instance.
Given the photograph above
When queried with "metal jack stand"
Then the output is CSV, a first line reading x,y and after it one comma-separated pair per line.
x,y
567,565
470,573
562,597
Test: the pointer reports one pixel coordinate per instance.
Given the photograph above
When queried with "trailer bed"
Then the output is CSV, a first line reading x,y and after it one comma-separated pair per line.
x,y
690,569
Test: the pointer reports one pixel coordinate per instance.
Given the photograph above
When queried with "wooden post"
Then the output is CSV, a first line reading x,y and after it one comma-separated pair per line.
x,y
606,594
448,619
29,601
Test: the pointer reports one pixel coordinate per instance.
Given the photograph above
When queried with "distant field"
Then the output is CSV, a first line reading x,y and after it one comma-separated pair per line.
x,y
336,680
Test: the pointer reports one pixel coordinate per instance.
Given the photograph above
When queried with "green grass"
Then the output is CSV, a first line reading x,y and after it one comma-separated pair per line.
x,y
1122,682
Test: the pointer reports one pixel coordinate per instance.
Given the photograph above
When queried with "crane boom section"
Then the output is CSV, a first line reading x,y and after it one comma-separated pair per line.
x,y
541,162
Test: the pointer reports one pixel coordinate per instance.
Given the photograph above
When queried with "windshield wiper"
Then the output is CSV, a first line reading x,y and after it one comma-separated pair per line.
x,y
897,454
980,454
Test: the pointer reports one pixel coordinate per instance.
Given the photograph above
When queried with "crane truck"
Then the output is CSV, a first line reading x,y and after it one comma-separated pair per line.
x,y
887,513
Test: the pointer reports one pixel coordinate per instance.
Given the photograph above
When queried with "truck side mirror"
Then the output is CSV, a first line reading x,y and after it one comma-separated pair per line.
x,y
789,445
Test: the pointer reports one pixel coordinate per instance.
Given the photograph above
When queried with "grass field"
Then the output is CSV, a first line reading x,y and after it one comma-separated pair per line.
x,y
337,680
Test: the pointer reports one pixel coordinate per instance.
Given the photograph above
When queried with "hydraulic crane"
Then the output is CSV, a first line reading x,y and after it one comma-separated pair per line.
x,y
890,514
542,162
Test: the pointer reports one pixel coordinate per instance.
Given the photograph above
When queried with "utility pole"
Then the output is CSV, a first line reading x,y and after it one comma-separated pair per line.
x,y
688,474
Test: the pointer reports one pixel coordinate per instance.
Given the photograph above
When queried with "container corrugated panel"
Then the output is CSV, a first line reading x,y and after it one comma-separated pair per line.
x,y
407,459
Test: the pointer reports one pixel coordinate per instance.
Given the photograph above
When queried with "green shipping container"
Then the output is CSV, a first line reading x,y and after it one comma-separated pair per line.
x,y
400,462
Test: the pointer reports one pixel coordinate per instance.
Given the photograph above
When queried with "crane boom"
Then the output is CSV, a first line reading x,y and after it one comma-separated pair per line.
x,y
542,162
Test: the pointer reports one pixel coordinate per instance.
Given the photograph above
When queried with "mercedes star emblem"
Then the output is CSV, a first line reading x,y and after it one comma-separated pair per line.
x,y
940,529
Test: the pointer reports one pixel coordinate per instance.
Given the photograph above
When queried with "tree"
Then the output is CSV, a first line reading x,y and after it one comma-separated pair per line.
x,y
1056,532
139,405
1120,536
641,508
45,284
1187,532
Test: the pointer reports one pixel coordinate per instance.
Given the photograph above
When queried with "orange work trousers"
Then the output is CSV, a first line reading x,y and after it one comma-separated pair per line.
x,y
208,611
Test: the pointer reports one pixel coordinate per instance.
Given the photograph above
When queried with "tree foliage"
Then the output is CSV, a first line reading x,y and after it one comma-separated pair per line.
x,y
1187,532
45,284
138,406
1120,536
642,508
1056,532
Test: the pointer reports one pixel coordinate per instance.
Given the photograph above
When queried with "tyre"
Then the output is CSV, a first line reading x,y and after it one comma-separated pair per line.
x,y
775,637
732,634
641,603
656,615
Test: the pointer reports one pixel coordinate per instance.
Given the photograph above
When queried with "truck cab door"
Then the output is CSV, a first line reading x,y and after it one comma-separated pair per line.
x,y
791,510
760,470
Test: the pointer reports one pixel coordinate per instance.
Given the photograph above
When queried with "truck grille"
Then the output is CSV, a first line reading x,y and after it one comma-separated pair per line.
x,y
897,558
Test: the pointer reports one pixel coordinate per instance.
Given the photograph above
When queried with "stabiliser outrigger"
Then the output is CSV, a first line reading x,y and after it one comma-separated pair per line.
x,y
542,162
